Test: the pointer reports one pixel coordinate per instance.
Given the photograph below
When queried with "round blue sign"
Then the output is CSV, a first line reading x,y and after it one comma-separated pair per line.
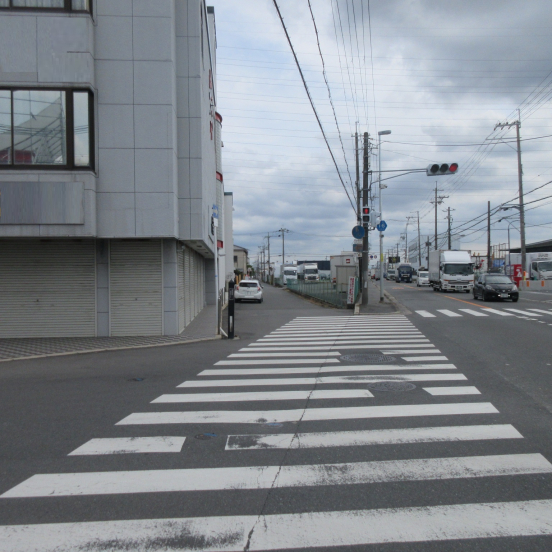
x,y
358,232
382,226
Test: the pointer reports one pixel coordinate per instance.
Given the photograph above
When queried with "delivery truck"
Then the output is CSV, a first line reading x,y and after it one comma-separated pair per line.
x,y
451,270
288,273
308,272
538,266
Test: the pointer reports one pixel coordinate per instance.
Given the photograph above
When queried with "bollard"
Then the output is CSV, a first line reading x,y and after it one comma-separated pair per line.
x,y
231,302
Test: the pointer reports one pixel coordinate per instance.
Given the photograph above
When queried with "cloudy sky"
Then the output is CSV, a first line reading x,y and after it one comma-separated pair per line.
x,y
438,74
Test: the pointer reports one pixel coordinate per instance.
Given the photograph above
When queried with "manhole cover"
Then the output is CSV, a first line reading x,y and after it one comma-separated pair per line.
x,y
367,358
394,386
205,436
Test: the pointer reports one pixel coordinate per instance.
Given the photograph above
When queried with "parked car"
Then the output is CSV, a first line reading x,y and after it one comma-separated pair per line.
x,y
423,278
249,290
495,286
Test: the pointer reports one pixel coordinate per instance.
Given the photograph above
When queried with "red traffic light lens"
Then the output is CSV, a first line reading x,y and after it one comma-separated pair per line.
x,y
365,210
453,167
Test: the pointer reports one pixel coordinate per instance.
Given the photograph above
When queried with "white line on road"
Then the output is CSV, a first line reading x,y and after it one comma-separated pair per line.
x,y
450,313
277,361
371,437
324,380
265,396
496,311
523,312
308,415
312,530
425,314
324,370
540,310
283,346
411,351
265,355
371,335
423,358
264,477
130,445
465,390
348,341
473,312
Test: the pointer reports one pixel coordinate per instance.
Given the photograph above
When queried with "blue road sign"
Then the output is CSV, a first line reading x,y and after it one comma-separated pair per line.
x,y
358,232
382,226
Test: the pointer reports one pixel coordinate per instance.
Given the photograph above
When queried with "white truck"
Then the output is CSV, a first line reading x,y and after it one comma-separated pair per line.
x,y
308,272
451,270
539,265
288,273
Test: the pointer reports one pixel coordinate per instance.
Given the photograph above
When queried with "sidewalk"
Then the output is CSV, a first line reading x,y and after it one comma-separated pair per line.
x,y
389,305
202,328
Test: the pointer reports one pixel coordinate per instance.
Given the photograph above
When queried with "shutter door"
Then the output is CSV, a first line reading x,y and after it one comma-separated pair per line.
x,y
181,304
187,292
193,279
136,288
47,288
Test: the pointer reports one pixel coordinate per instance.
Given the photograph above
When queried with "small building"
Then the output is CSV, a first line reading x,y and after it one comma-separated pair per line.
x,y
241,259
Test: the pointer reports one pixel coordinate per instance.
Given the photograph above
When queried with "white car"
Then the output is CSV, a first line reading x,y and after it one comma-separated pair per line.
x,y
423,279
248,290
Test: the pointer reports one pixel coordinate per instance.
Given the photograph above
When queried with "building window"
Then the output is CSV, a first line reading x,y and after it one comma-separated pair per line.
x,y
60,5
46,129
235,259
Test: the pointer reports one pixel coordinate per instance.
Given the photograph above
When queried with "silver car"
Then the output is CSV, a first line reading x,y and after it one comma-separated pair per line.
x,y
248,290
423,279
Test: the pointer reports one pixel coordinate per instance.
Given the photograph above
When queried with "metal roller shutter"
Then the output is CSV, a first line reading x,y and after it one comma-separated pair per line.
x,y
136,288
47,288
181,304
187,292
193,278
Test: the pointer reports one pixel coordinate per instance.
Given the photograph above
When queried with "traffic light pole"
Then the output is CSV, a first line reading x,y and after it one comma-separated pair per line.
x,y
365,167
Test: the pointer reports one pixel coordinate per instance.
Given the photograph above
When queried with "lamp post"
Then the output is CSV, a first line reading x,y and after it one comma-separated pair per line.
x,y
510,223
521,234
381,187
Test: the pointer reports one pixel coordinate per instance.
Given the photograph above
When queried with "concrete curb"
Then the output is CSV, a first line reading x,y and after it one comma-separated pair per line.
x,y
398,306
109,349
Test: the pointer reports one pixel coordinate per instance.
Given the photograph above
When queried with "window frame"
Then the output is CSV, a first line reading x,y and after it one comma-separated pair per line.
x,y
69,131
67,8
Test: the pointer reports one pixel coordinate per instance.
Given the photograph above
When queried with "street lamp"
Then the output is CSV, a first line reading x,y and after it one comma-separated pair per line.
x,y
521,234
510,223
381,187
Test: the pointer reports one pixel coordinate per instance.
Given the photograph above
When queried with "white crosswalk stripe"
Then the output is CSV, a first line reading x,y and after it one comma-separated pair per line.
x,y
484,312
302,361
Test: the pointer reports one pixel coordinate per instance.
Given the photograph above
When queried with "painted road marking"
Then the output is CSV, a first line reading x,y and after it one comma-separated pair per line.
x,y
496,311
313,530
345,345
130,445
281,361
411,351
265,477
465,390
425,314
450,313
265,396
540,310
371,437
265,355
324,380
473,313
423,358
324,370
523,312
308,415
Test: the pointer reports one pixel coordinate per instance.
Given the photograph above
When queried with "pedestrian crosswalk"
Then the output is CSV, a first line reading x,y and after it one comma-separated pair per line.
x,y
487,311
323,383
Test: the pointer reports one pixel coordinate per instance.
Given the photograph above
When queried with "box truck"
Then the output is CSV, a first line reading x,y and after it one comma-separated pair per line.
x,y
288,272
308,272
538,265
451,270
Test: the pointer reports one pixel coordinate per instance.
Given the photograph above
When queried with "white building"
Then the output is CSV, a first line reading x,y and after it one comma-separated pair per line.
x,y
110,167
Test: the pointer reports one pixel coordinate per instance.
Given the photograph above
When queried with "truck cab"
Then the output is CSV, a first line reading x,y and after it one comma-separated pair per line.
x,y
451,271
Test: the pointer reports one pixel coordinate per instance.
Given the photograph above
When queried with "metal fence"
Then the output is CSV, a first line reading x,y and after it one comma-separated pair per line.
x,y
324,291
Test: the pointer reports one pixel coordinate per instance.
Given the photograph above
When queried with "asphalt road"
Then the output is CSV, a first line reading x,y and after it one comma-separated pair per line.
x,y
306,455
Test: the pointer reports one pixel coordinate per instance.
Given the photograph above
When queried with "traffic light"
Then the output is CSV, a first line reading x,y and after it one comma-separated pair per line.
x,y
366,215
374,219
444,168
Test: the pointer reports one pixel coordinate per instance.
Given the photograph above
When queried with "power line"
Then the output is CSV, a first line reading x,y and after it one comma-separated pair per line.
x,y
312,103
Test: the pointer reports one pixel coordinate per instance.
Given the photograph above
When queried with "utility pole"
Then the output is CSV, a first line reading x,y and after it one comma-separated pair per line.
x,y
407,223
359,217
419,242
449,219
488,235
364,266
517,124
437,201
283,231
